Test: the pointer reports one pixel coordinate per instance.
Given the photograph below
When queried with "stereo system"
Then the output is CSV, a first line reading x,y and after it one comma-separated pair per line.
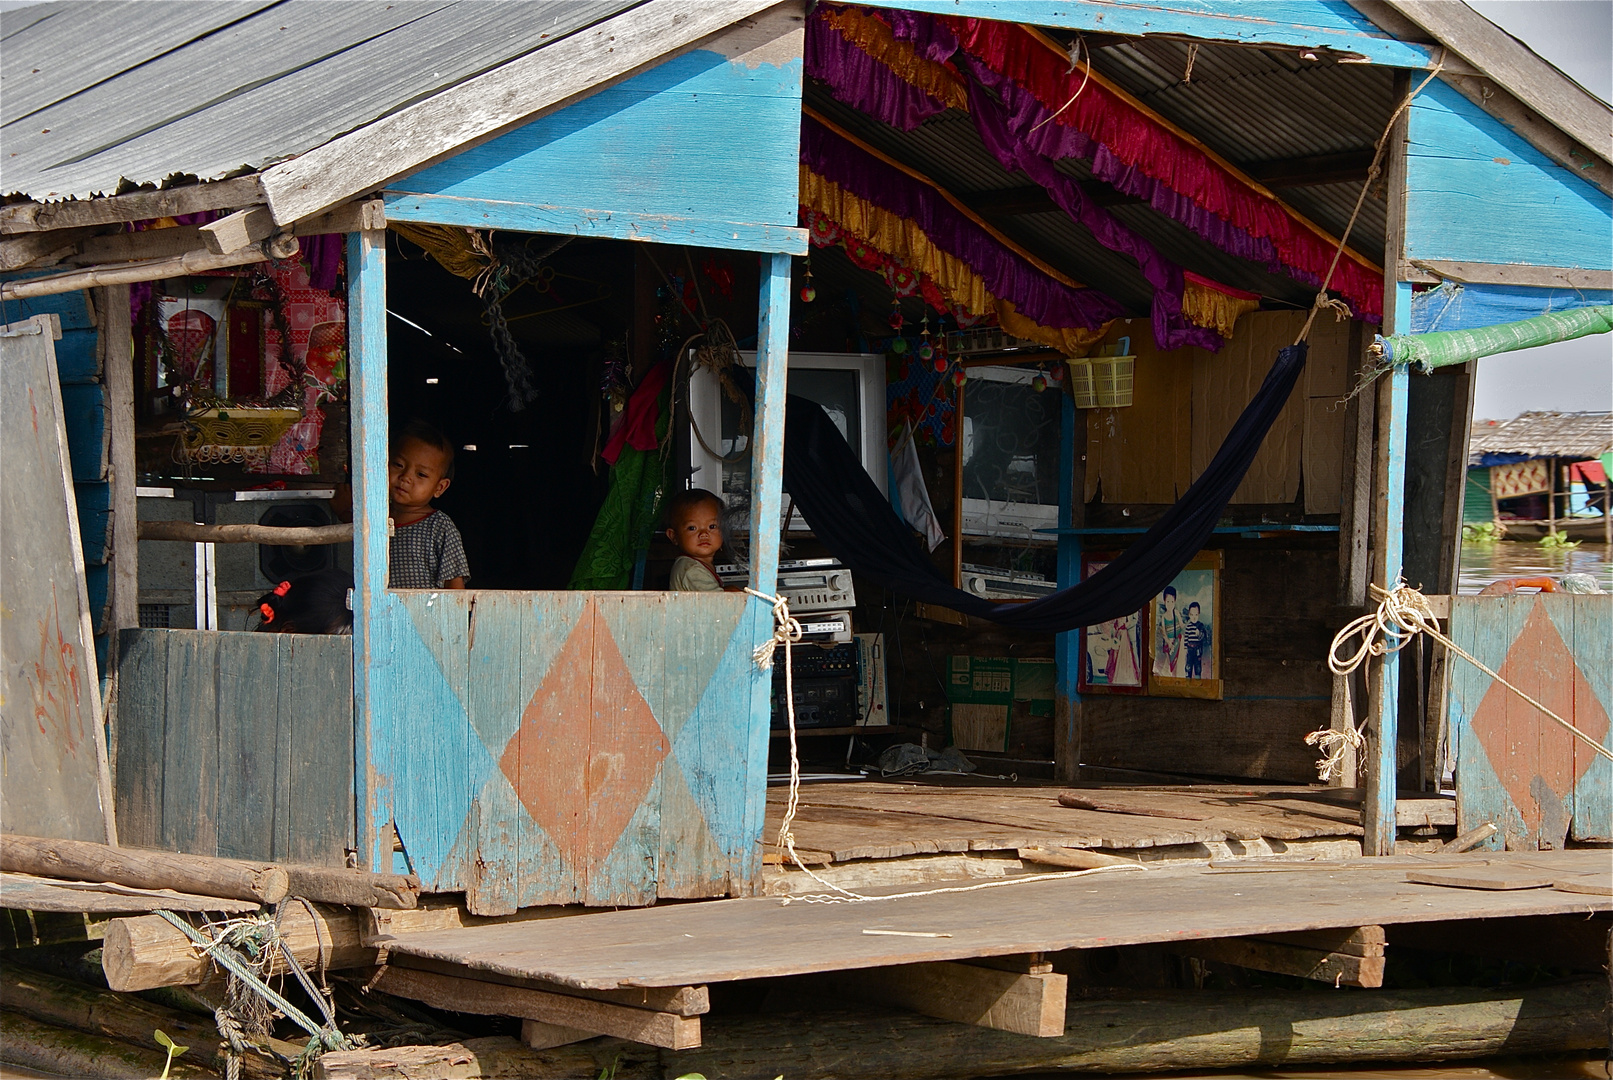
x,y
808,584
995,583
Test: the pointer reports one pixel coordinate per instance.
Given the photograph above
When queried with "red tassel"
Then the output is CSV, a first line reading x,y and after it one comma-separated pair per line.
x,y
282,588
268,612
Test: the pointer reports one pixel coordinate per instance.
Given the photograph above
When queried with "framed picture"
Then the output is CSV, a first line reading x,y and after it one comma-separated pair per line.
x,y
1114,655
1184,632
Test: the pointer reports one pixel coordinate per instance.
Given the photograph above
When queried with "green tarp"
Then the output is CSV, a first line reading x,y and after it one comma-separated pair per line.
x,y
1446,347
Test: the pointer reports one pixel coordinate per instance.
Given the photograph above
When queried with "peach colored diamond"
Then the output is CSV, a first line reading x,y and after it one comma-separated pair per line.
x,y
1522,744
588,747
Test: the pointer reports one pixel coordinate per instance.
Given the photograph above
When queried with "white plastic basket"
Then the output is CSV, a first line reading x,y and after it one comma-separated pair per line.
x,y
1104,380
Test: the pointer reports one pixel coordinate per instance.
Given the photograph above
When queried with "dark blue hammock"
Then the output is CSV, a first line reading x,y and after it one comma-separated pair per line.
x,y
857,524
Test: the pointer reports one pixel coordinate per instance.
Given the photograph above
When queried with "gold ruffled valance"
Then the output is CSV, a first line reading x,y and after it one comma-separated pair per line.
x,y
873,36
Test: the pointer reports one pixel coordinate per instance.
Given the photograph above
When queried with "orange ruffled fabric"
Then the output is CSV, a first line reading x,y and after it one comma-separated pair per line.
x,y
1210,304
873,36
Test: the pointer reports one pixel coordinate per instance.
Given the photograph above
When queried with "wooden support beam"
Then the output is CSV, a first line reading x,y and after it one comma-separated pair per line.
x,y
1388,516
136,206
1352,940
1026,1004
281,247
1337,967
117,366
41,248
1433,271
541,1036
237,230
80,860
286,536
354,888
1071,858
677,1000
148,951
180,239
493,999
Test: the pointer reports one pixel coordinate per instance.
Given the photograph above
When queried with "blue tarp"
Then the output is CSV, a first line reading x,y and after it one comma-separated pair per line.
x,y
1452,306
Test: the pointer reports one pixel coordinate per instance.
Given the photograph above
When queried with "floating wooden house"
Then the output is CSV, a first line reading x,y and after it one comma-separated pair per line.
x,y
981,205
1550,470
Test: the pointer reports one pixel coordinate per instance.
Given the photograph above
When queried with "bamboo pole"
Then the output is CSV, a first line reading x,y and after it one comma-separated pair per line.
x,y
279,247
196,532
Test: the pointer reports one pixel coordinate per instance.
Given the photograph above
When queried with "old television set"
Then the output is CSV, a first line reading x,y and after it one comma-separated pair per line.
x,y
1009,454
850,387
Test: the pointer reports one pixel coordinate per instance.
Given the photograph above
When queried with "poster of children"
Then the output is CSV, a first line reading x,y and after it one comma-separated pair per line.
x,y
1112,652
1184,637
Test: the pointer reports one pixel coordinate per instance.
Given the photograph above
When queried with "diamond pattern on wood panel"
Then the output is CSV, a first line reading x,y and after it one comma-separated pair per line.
x,y
1536,759
588,748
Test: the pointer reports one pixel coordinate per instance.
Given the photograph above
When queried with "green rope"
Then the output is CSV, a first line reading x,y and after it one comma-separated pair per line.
x,y
1429,351
327,1038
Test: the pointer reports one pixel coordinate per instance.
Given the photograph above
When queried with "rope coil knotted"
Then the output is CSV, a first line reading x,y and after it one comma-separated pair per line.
x,y
1403,613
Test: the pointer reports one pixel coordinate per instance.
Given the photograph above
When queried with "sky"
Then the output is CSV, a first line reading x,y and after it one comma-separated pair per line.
x,y
1577,36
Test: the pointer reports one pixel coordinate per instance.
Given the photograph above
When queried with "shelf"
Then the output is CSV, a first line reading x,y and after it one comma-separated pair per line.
x,y
862,729
1247,531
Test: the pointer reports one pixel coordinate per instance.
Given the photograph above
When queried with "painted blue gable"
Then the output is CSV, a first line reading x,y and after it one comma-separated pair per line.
x,y
1455,306
1478,192
702,149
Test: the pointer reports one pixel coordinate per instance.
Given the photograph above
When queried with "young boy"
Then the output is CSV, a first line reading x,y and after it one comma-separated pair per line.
x,y
426,552
1195,643
694,525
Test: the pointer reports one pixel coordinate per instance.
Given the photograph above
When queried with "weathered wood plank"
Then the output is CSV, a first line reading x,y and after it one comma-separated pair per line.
x,y
78,860
191,744
496,694
600,1017
173,202
318,671
1592,799
24,892
141,719
1026,1004
1340,969
253,695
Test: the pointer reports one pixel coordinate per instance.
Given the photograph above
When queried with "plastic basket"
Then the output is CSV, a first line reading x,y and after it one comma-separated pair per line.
x,y
1104,379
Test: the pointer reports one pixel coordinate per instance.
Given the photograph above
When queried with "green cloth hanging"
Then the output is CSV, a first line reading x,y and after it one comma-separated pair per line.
x,y
1447,347
627,520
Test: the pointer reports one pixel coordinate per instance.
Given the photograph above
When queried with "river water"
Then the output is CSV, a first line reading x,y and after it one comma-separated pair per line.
x,y
1484,563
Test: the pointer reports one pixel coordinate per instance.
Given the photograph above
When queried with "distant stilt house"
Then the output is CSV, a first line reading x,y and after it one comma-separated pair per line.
x,y
1035,266
1542,473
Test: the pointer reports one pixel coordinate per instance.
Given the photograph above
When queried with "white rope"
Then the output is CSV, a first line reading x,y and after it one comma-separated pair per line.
x,y
1402,614
786,632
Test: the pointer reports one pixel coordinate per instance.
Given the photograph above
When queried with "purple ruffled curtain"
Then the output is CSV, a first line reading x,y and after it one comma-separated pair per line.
x,y
864,83
1006,274
1171,328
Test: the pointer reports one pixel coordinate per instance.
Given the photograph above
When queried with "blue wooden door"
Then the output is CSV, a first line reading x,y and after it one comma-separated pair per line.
x,y
552,748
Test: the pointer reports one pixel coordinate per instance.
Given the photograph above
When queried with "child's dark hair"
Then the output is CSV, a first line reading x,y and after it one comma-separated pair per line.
x,y
673,509
312,604
421,431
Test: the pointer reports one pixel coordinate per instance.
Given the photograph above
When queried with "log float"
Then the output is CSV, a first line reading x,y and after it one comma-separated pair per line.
x,y
1195,1030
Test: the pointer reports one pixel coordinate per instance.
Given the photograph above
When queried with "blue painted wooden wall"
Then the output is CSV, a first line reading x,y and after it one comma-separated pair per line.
x,y
603,748
702,149
78,363
1477,192
1514,766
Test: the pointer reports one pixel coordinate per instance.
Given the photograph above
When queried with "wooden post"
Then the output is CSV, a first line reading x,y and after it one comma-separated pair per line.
x,y
767,487
1067,646
1551,497
1461,434
117,358
1388,515
366,320
1495,503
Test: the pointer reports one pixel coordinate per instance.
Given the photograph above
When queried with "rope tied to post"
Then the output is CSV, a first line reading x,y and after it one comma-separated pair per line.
x,y
1403,612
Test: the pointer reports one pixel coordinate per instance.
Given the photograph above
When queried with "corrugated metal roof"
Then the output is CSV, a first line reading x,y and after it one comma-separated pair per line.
x,y
1544,434
115,90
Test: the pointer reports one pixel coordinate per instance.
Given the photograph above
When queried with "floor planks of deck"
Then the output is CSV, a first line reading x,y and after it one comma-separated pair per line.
x,y
840,822
722,941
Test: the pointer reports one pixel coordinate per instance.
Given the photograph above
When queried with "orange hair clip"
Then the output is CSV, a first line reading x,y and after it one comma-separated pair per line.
x,y
268,613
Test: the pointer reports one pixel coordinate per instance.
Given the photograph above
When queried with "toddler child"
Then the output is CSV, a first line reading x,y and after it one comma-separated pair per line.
x,y
694,525
426,552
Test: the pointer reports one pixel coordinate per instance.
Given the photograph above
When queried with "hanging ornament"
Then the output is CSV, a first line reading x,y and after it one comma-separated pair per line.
x,y
1039,382
958,376
809,292
896,319
1055,374
940,365
926,350
898,345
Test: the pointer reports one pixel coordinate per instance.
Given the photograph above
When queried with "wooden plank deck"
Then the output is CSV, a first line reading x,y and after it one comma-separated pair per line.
x,y
727,940
887,820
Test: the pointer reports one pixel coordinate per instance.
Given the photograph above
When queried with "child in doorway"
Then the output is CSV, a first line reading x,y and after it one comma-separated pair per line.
x,y
694,525
426,552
